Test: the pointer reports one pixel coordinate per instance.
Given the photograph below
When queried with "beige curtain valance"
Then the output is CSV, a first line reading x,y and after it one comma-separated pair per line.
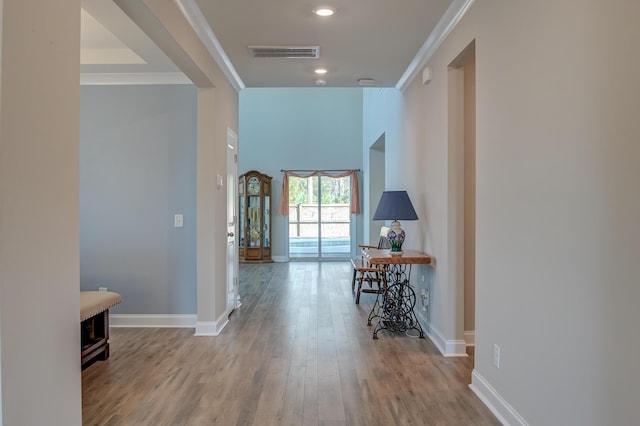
x,y
355,197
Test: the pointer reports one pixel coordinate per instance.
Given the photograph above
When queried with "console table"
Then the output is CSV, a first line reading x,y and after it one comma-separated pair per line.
x,y
393,308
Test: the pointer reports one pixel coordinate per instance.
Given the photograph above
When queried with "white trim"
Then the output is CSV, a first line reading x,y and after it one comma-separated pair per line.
x,y
146,320
280,258
212,328
470,338
198,22
132,78
448,348
443,28
505,413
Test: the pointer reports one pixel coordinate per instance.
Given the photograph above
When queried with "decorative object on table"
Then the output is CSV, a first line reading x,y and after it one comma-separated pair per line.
x,y
254,207
396,206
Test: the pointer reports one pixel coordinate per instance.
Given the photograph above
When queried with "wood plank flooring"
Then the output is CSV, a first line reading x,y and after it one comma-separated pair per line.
x,y
297,352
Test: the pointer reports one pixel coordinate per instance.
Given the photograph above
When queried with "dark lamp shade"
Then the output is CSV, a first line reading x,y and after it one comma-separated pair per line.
x,y
395,205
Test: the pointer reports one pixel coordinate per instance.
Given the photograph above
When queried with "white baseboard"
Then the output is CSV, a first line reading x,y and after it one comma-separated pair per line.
x,y
212,328
202,328
448,348
280,259
155,321
470,338
492,399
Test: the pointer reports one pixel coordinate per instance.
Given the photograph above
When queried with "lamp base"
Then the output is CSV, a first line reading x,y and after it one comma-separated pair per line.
x,y
396,238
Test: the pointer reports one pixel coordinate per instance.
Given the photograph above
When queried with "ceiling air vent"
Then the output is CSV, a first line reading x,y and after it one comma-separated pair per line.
x,y
284,51
366,81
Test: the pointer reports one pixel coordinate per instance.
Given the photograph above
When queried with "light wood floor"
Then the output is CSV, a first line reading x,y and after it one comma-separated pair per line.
x,y
298,352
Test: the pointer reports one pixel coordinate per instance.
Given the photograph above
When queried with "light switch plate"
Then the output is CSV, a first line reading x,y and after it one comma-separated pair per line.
x,y
178,221
220,181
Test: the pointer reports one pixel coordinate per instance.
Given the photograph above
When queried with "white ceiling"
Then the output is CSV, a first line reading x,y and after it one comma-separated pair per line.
x,y
383,40
112,43
99,46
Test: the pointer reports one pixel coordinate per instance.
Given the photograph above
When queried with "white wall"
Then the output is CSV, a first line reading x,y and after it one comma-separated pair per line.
x,y
557,205
39,237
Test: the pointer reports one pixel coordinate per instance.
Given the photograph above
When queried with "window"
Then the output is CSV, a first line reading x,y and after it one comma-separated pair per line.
x,y
319,217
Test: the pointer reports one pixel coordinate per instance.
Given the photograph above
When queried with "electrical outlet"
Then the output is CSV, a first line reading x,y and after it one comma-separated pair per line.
x,y
103,289
496,356
422,277
424,296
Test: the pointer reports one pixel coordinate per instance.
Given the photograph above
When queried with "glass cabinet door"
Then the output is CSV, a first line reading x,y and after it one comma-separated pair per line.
x,y
254,220
267,209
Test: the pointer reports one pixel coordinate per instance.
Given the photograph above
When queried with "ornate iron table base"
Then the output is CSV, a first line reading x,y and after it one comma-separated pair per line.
x,y
394,307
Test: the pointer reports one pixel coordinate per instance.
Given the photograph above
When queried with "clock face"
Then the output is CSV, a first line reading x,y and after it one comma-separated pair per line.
x,y
253,185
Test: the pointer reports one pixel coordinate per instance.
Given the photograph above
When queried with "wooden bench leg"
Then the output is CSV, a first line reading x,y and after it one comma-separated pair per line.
x,y
353,281
94,339
370,278
105,353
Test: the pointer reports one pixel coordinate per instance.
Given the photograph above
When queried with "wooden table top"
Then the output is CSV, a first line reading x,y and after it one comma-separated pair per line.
x,y
382,257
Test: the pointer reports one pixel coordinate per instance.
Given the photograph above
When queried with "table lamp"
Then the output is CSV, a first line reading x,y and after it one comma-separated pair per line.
x,y
395,205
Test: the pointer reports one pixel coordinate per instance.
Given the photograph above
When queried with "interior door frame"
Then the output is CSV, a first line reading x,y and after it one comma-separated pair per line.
x,y
461,196
232,285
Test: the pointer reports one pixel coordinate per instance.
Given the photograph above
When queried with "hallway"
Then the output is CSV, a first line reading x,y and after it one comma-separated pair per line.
x,y
297,352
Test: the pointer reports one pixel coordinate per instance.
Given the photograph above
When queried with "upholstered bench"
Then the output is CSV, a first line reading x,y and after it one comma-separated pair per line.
x,y
94,324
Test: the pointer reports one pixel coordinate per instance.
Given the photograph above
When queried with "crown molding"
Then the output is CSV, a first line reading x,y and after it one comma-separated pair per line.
x,y
201,27
121,79
443,28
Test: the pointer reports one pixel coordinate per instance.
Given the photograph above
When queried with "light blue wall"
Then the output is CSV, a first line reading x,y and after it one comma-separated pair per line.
x,y
381,120
314,128
382,115
138,169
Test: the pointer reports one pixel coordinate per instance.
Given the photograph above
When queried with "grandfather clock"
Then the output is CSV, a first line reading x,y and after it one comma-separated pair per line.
x,y
254,190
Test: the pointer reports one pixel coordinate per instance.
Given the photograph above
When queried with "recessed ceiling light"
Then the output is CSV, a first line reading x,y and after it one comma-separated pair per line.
x,y
320,71
324,11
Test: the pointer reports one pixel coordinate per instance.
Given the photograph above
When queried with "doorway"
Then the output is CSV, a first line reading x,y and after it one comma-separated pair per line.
x,y
376,185
319,218
462,190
